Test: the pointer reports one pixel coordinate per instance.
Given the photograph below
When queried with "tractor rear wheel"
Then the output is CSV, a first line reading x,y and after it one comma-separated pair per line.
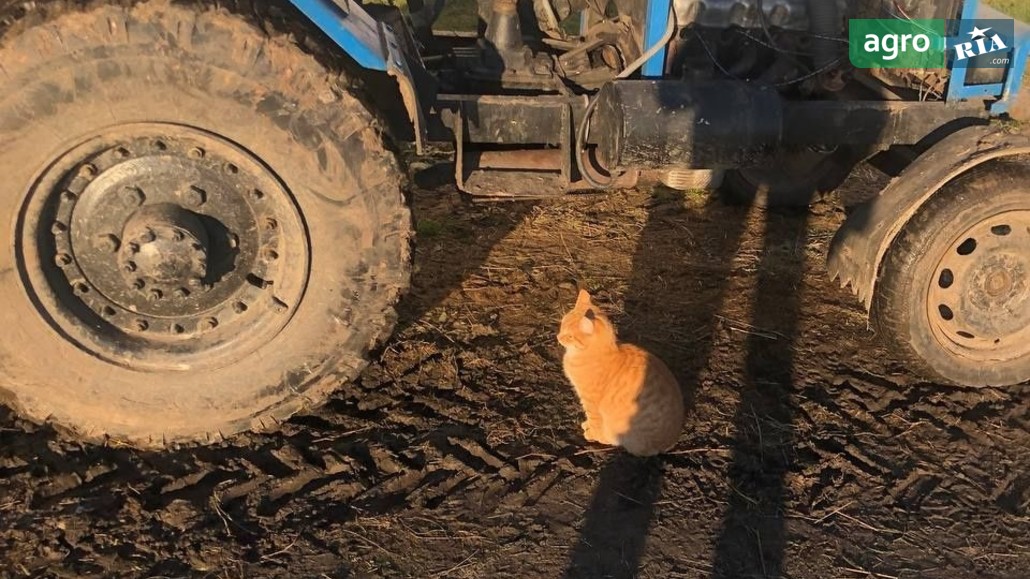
x,y
207,233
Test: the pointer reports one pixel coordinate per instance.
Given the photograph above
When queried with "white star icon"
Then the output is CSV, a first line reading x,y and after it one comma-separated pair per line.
x,y
979,33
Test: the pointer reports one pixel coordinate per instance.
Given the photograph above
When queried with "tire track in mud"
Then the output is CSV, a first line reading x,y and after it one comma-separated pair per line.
x,y
388,443
951,448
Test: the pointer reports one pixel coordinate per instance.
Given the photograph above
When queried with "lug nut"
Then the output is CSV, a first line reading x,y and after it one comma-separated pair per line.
x,y
58,228
176,328
69,196
271,224
147,236
109,242
194,196
231,169
81,288
131,267
139,284
109,312
279,306
141,325
160,145
89,170
134,248
63,259
122,152
155,295
197,153
271,254
257,194
182,293
210,323
133,197
239,307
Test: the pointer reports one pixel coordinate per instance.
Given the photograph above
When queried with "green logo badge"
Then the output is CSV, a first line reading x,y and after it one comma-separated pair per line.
x,y
897,43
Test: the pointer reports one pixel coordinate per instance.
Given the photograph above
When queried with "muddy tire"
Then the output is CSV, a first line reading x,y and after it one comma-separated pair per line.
x,y
791,179
954,293
207,234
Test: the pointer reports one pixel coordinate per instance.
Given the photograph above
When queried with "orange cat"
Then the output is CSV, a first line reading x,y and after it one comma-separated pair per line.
x,y
630,397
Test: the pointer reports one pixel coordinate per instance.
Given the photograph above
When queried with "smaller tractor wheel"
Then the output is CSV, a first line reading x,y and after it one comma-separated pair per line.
x,y
954,290
793,178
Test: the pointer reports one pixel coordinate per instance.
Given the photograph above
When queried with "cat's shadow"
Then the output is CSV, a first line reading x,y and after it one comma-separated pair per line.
x,y
680,325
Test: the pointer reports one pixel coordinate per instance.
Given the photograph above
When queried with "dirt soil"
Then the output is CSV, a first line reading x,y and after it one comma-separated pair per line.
x,y
807,452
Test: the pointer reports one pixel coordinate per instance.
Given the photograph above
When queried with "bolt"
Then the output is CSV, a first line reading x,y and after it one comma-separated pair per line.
x,y
141,325
130,267
176,328
89,170
194,196
197,153
147,236
239,307
134,248
182,293
231,169
257,194
160,145
109,312
133,197
210,323
279,306
155,295
139,284
178,235
271,254
58,228
81,288
63,259
122,152
69,196
109,242
271,224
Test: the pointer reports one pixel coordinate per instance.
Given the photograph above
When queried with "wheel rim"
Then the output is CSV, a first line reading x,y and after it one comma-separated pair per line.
x,y
979,296
164,247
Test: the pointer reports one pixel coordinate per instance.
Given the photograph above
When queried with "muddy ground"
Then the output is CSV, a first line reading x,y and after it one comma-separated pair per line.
x,y
808,453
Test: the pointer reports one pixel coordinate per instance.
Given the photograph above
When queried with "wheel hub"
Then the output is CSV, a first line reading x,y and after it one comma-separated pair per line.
x,y
165,241
166,246
979,297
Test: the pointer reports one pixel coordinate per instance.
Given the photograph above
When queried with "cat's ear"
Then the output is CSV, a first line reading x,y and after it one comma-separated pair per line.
x,y
586,324
584,299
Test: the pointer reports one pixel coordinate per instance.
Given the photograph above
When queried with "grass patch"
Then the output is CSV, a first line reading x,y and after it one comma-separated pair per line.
x,y
1018,9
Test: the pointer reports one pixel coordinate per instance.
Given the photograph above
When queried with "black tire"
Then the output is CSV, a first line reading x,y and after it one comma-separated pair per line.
x,y
793,179
88,78
954,290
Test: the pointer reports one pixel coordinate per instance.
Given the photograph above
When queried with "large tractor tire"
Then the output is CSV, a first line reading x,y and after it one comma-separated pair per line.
x,y
205,233
954,289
